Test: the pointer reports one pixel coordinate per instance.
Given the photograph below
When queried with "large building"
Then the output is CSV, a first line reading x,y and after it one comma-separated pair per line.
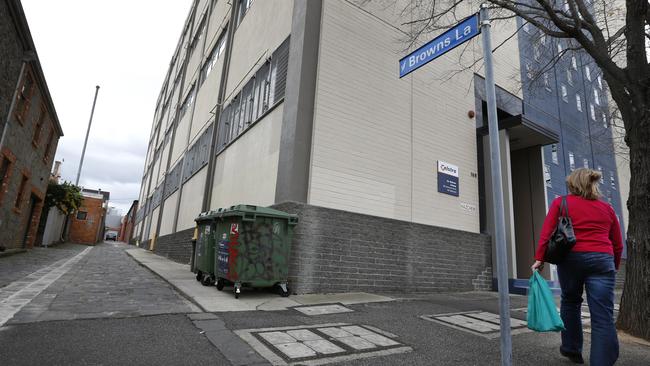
x,y
299,105
29,131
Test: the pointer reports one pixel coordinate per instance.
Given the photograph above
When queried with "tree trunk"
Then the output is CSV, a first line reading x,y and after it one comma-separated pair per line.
x,y
634,315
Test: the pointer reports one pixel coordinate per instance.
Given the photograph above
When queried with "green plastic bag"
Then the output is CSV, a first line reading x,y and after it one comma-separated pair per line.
x,y
542,315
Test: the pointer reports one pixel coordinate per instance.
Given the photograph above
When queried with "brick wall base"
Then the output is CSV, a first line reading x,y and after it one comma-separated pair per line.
x,y
339,251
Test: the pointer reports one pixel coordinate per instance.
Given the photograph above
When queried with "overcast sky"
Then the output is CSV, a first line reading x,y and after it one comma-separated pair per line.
x,y
124,46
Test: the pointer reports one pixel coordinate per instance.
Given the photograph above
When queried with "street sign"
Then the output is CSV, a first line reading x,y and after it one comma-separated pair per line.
x,y
447,178
454,37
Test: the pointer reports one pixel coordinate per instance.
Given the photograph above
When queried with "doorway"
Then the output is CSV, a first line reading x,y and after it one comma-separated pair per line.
x,y
529,205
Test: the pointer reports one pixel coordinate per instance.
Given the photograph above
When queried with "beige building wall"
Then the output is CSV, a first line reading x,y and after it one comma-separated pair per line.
x,y
377,138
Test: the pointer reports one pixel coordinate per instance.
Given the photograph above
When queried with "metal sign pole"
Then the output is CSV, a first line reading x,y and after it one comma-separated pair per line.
x,y
83,152
497,192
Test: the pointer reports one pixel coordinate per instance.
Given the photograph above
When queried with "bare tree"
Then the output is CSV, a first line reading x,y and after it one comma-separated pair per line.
x,y
614,34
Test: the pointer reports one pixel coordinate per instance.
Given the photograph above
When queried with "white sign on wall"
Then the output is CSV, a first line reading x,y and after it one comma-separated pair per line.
x,y
447,178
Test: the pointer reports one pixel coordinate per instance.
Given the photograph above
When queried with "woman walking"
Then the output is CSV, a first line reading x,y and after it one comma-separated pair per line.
x,y
591,265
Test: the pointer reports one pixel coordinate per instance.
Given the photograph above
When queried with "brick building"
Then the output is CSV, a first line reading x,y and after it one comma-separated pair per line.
x,y
29,130
128,222
87,224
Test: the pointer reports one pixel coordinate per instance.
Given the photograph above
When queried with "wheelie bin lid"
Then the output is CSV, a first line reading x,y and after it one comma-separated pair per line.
x,y
250,213
207,216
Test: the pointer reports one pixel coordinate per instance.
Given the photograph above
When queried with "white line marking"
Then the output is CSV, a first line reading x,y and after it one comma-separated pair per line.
x,y
18,299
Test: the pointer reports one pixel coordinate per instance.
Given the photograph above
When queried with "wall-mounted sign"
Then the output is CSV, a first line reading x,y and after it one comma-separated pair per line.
x,y
452,38
447,178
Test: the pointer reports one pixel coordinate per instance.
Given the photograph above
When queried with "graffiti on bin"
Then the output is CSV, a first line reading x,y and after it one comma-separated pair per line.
x,y
262,251
223,255
233,252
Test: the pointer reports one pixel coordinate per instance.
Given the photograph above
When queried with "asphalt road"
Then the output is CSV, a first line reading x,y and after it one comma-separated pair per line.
x,y
105,309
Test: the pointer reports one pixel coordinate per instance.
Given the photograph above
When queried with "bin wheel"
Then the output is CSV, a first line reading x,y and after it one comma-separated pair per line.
x,y
199,275
219,285
283,289
208,280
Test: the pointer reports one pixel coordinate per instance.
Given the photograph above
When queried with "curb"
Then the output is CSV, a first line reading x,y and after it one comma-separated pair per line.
x,y
178,290
10,252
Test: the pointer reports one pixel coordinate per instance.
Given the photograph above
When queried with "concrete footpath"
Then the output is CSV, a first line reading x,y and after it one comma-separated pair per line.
x,y
212,300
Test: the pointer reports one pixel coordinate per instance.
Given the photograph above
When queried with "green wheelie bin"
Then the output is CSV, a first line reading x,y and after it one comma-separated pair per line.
x,y
252,247
203,263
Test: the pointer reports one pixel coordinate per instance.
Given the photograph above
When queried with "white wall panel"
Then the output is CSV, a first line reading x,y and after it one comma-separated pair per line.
x,y
191,200
246,171
167,220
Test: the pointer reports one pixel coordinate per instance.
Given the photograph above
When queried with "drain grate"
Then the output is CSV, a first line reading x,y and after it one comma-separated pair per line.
x,y
321,344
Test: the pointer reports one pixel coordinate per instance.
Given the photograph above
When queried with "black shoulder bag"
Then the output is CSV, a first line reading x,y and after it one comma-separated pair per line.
x,y
563,238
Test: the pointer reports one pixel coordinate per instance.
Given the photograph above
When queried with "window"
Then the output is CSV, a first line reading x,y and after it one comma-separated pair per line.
x,y
566,7
187,103
547,83
547,176
559,47
542,39
600,169
592,111
198,35
596,97
537,52
211,61
578,102
565,95
24,97
612,180
585,163
48,146
569,76
244,5
600,82
264,90
572,161
5,169
21,191
588,72
39,126
529,71
605,123
526,27
82,215
574,63
554,157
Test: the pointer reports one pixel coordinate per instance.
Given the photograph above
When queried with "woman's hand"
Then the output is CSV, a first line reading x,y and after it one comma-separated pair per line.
x,y
538,265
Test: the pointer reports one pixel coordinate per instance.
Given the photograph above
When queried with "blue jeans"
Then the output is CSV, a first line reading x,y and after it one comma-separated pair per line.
x,y
595,272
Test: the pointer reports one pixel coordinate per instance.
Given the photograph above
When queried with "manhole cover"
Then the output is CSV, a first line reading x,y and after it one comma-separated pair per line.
x,y
480,323
321,344
323,309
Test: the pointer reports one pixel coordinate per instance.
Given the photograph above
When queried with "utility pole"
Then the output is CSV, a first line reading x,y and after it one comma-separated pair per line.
x,y
83,152
497,191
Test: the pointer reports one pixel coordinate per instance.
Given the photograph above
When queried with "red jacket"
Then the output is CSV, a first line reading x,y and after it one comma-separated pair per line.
x,y
595,225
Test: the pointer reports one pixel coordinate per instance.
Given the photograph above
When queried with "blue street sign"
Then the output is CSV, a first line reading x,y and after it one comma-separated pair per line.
x,y
459,34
